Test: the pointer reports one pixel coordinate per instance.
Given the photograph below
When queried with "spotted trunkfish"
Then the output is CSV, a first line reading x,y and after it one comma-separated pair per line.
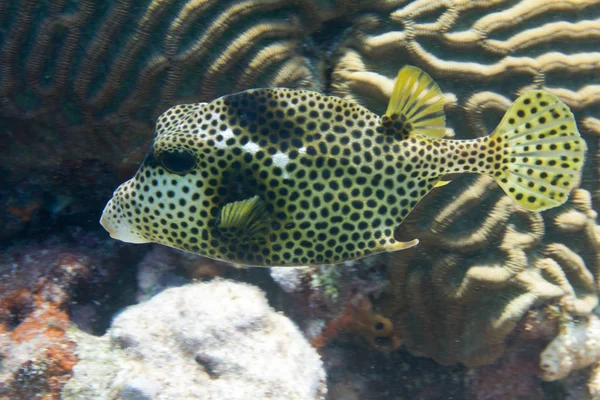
x,y
282,177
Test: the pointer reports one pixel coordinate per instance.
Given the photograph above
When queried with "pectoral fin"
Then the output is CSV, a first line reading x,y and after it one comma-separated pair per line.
x,y
245,221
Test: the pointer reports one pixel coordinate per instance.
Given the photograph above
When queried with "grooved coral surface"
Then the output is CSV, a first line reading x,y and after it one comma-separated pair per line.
x,y
216,340
91,76
483,54
482,264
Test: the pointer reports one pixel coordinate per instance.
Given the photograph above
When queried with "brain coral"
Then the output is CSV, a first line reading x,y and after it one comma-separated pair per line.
x,y
483,54
482,264
92,76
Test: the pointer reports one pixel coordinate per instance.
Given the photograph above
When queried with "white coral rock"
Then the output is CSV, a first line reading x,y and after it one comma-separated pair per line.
x,y
215,340
575,347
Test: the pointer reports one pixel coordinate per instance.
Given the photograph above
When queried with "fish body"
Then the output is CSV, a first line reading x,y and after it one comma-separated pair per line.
x,y
291,177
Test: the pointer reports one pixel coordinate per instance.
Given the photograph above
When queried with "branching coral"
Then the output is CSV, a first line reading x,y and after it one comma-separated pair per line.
x,y
482,264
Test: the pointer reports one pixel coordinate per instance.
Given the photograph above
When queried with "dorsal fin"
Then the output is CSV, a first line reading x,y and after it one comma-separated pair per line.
x,y
244,221
416,105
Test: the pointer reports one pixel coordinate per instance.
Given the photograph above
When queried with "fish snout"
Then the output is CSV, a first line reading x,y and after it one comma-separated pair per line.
x,y
116,224
106,224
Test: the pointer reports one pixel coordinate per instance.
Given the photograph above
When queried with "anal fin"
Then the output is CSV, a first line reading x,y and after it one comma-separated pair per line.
x,y
396,245
441,183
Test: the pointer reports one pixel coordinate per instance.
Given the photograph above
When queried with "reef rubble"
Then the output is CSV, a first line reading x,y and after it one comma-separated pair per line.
x,y
41,286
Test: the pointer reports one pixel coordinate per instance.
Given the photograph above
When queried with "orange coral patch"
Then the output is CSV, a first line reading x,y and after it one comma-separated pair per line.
x,y
359,319
25,213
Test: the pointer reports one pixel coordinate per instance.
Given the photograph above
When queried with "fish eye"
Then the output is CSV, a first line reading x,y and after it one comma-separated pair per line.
x,y
177,161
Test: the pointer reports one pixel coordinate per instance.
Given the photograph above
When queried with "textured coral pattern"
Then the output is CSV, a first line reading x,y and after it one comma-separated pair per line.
x,y
459,294
482,262
93,75
87,79
483,54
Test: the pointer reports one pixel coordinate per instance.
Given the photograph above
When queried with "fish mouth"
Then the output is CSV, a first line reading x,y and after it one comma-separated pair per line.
x,y
107,226
117,228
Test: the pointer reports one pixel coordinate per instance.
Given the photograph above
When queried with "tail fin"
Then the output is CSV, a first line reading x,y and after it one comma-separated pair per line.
x,y
539,152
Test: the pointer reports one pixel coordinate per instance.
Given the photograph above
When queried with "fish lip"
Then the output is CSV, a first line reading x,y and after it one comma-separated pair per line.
x,y
105,219
119,230
104,222
108,227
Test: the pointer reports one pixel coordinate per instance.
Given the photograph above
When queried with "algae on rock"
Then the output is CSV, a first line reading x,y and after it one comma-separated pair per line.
x,y
575,347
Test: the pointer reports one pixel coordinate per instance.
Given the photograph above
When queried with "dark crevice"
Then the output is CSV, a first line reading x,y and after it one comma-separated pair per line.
x,y
321,44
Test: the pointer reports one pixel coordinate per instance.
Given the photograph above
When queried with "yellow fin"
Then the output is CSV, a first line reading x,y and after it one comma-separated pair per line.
x,y
441,183
416,105
542,151
245,221
397,245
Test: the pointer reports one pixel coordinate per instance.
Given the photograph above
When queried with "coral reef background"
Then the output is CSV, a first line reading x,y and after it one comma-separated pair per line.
x,y
494,303
88,78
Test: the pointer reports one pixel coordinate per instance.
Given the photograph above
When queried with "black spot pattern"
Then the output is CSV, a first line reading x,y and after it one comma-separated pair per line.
x,y
335,179
335,186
